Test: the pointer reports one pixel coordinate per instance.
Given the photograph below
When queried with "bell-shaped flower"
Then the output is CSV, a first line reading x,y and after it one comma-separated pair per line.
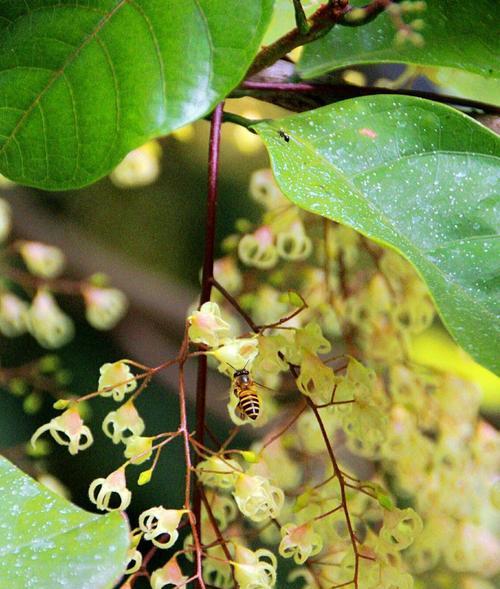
x,y
104,307
133,555
5,219
299,541
157,521
218,472
67,429
13,315
45,261
206,326
257,498
294,244
311,339
400,528
140,167
265,191
316,380
116,380
271,350
123,423
223,508
236,354
47,323
138,449
102,490
257,249
254,570
169,574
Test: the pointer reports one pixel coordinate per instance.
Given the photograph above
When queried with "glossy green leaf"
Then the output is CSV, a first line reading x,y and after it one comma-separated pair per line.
x,y
417,176
451,40
48,543
81,84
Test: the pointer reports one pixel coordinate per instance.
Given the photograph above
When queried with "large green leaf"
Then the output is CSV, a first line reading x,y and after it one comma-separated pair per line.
x,y
450,40
48,543
417,176
81,84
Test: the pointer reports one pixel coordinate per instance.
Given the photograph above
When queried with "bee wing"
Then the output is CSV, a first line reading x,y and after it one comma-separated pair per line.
x,y
263,386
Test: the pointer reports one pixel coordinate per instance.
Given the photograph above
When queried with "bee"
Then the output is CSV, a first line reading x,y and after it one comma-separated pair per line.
x,y
284,135
245,391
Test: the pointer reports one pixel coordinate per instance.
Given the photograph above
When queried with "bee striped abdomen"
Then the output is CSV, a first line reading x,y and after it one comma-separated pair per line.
x,y
249,404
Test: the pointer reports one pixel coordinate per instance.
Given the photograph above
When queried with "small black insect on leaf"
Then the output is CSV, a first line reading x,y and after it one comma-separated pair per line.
x,y
284,135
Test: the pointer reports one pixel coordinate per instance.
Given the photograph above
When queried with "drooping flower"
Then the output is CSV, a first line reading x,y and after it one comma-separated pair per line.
x,y
104,307
5,219
138,449
140,167
67,429
46,261
123,423
116,380
218,472
254,570
47,323
13,315
257,498
157,521
299,541
101,491
169,574
257,249
206,326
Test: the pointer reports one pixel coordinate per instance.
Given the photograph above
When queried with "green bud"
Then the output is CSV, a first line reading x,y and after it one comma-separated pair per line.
x,y
243,225
18,386
145,477
251,457
40,449
302,500
61,404
49,363
384,500
32,403
63,377
99,279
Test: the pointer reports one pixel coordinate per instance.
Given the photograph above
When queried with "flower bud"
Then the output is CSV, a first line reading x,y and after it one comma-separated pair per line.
x,y
206,326
42,260
114,483
47,323
116,380
13,315
104,306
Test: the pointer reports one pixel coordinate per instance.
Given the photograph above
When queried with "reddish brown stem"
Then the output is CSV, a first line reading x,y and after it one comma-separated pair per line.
x,y
206,286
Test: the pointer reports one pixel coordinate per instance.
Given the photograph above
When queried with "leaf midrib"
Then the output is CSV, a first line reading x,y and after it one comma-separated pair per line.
x,y
59,72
